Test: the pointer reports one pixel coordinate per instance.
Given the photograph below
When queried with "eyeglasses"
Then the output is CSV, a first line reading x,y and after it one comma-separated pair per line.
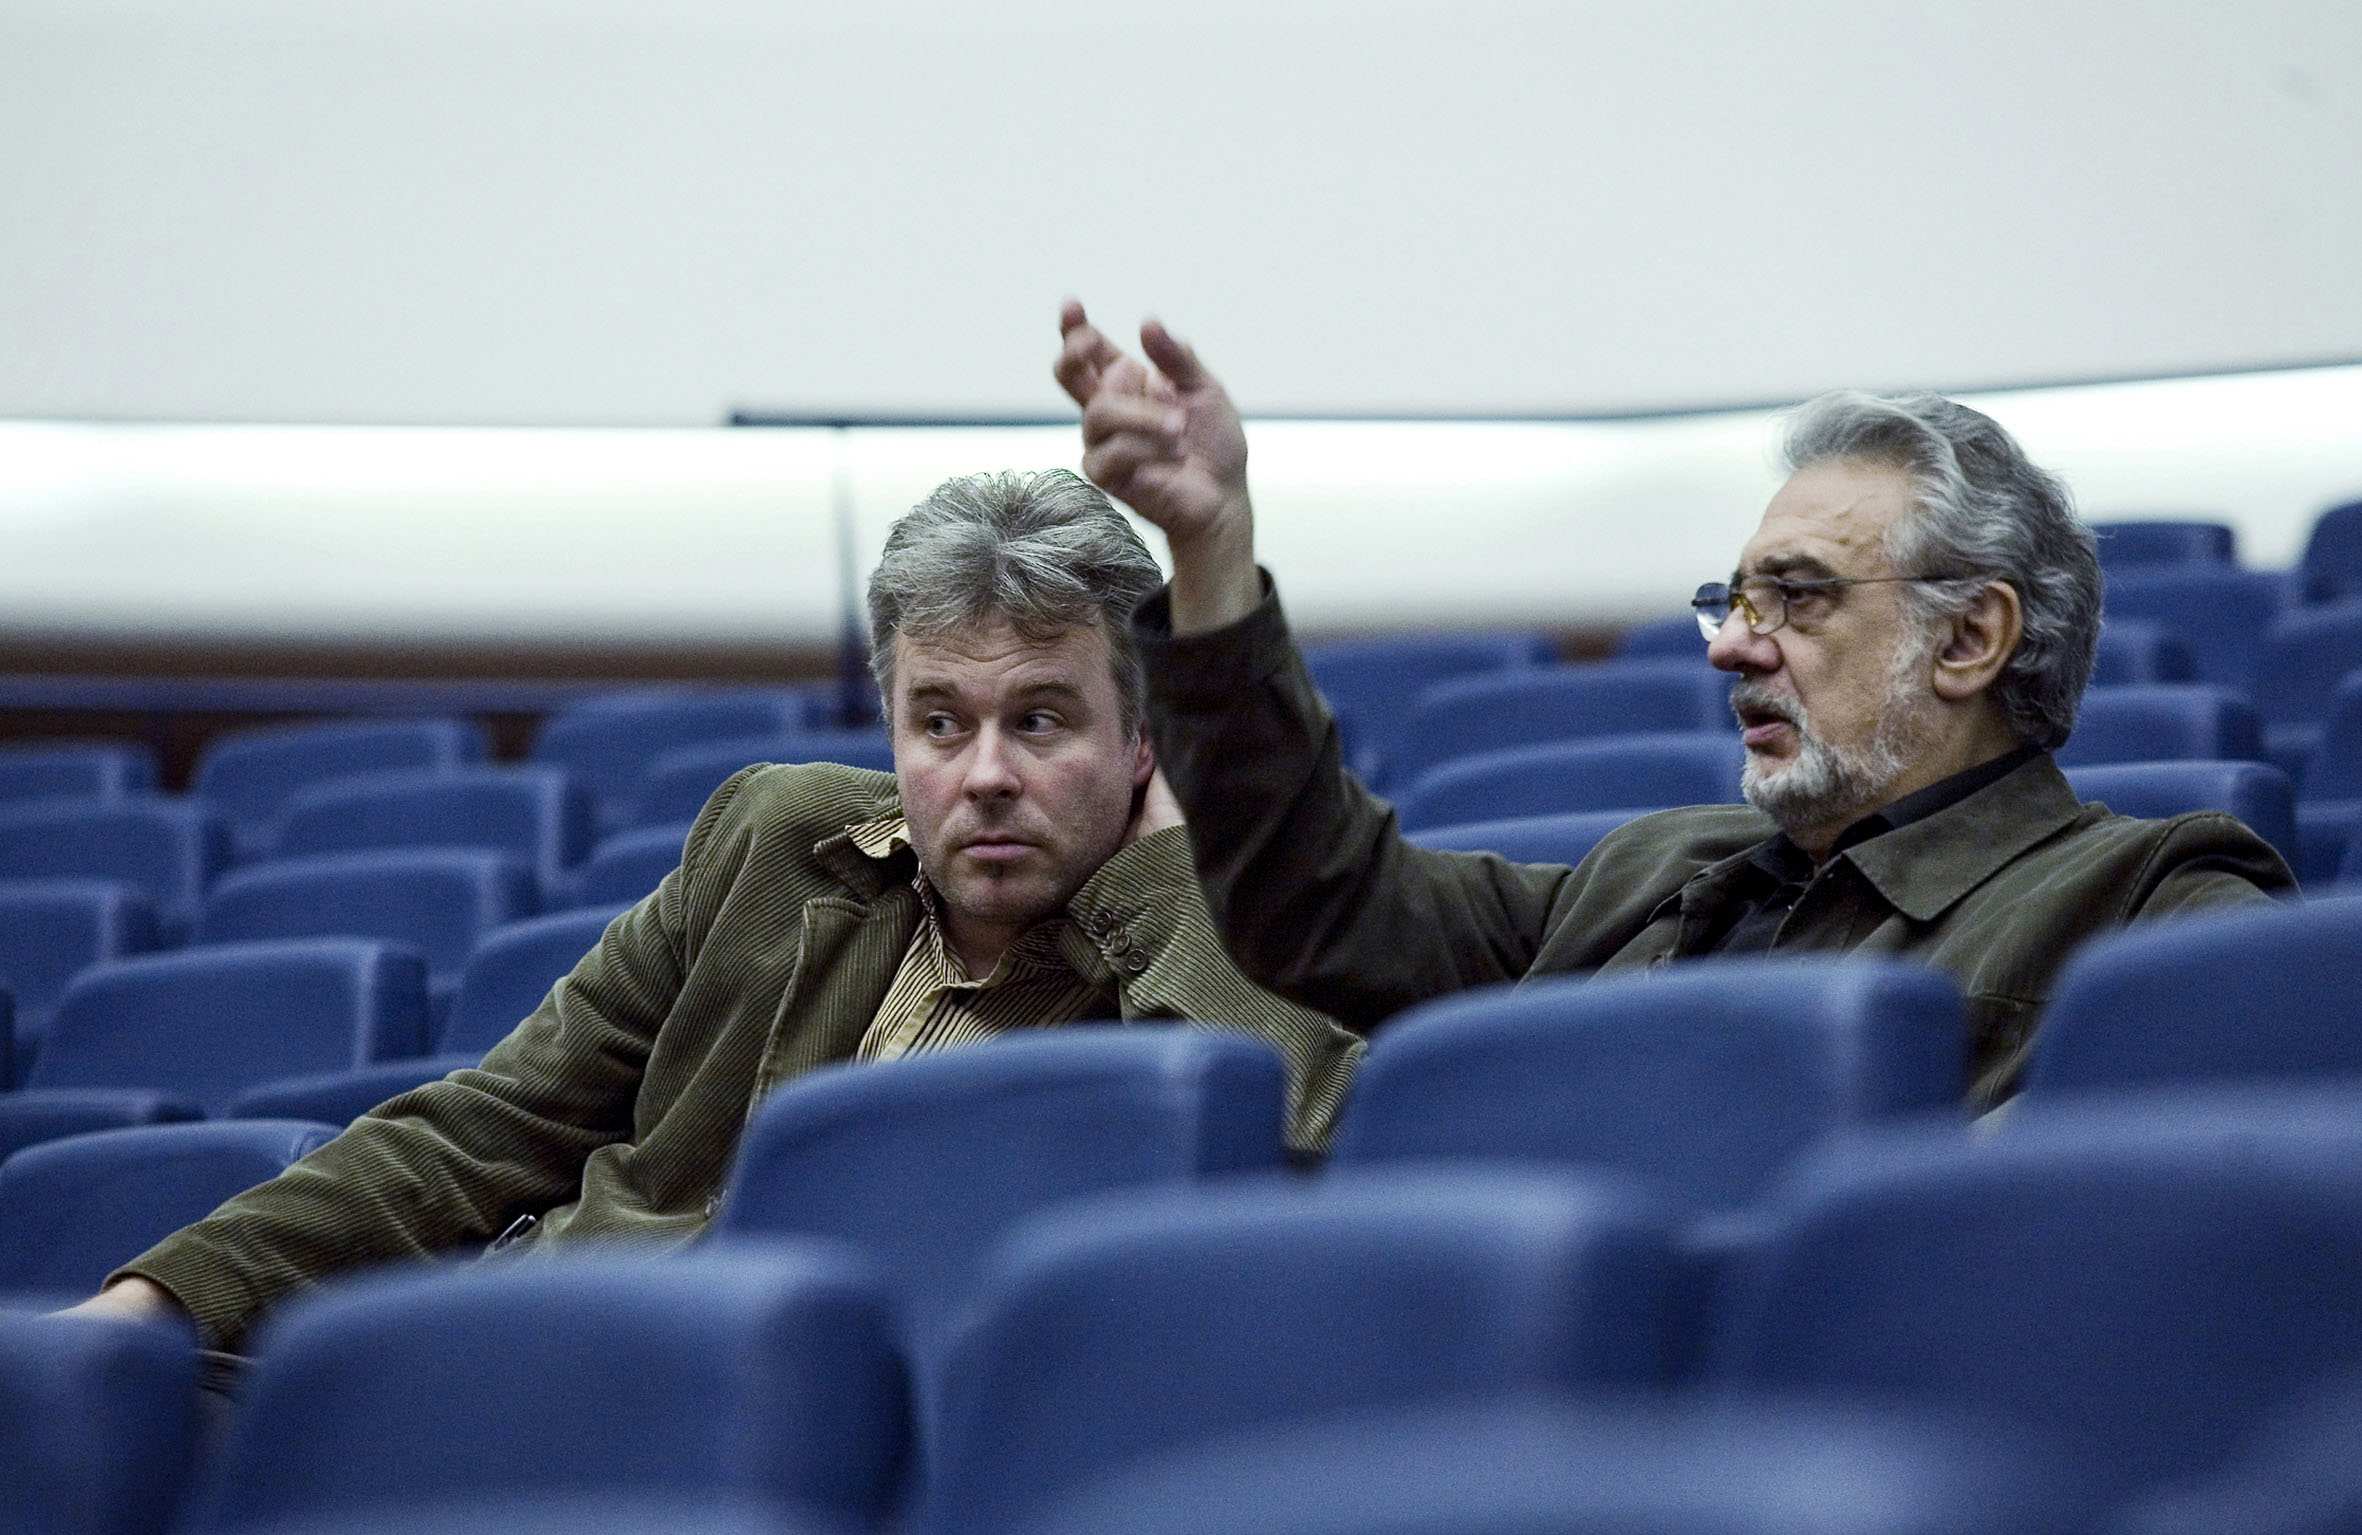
x,y
1766,599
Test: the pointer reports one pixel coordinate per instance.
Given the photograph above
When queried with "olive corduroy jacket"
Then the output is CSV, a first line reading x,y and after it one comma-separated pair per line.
x,y
615,1109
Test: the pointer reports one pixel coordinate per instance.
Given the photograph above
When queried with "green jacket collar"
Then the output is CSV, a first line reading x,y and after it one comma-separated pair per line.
x,y
1922,868
1122,922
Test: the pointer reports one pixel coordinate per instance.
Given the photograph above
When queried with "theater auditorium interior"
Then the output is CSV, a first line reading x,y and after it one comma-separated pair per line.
x,y
441,444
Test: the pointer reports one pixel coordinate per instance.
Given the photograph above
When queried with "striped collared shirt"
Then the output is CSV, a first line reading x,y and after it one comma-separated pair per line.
x,y
934,1005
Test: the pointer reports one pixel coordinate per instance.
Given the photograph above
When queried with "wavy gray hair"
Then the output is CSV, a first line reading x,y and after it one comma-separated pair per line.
x,y
1045,550
1982,510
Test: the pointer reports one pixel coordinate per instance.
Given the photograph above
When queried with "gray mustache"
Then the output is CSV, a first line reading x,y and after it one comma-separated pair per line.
x,y
1749,695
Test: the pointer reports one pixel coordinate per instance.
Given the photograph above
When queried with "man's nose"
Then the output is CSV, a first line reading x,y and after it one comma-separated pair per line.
x,y
992,770
1737,648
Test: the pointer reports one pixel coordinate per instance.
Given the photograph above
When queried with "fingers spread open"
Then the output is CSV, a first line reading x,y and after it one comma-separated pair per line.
x,y
1111,462
1173,356
1084,356
1111,412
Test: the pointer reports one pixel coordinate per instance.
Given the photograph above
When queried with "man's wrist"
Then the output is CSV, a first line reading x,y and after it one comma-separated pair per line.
x,y
1214,579
132,1296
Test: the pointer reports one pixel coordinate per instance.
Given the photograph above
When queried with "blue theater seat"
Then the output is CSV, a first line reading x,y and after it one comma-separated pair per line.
x,y
248,776
1705,1080
1372,683
749,1384
925,1161
508,975
2164,722
2329,796
627,865
98,1424
1598,1465
171,850
1635,773
536,815
2219,611
1529,706
676,785
2142,544
2133,650
440,900
1677,637
2256,792
52,929
2135,1279
2305,656
1144,1323
75,769
177,1036
2332,565
75,1209
2295,1474
2253,994
605,743
1566,839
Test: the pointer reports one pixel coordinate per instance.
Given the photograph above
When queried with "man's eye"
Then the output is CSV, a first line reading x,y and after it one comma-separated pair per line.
x,y
1037,721
939,725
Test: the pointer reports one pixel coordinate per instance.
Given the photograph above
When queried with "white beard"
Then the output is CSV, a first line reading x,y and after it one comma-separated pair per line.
x,y
1831,785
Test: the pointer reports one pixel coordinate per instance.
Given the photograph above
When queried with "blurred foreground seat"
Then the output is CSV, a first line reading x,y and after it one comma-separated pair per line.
x,y
1139,1324
746,1385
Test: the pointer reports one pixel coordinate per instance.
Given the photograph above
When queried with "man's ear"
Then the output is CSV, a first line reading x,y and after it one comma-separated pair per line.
x,y
1143,758
1979,643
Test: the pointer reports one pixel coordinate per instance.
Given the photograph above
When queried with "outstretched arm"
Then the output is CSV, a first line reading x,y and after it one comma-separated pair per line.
x,y
1313,892
1162,437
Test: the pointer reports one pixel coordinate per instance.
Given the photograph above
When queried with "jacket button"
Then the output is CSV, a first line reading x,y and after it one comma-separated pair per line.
x,y
711,1205
1133,961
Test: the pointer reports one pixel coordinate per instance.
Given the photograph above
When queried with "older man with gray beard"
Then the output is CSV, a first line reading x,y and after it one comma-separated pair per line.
x,y
1912,624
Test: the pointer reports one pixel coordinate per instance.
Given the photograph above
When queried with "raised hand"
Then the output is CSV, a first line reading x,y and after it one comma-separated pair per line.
x,y
1162,437
1158,810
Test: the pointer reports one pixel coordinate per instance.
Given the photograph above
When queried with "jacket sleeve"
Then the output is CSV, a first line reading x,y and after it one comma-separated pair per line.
x,y
1313,888
454,1161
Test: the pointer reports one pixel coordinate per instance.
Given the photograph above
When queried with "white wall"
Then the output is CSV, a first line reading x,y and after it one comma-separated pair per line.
x,y
600,212
496,535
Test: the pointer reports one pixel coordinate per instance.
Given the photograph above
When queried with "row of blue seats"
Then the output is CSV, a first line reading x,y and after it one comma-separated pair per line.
x,y
443,902
2120,1307
1552,804
534,813
1403,700
1704,1083
2176,586
213,1029
1528,706
606,744
2329,570
1381,688
175,856
50,928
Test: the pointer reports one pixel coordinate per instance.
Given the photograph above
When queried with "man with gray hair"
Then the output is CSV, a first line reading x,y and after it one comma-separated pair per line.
x,y
1023,867
1912,626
